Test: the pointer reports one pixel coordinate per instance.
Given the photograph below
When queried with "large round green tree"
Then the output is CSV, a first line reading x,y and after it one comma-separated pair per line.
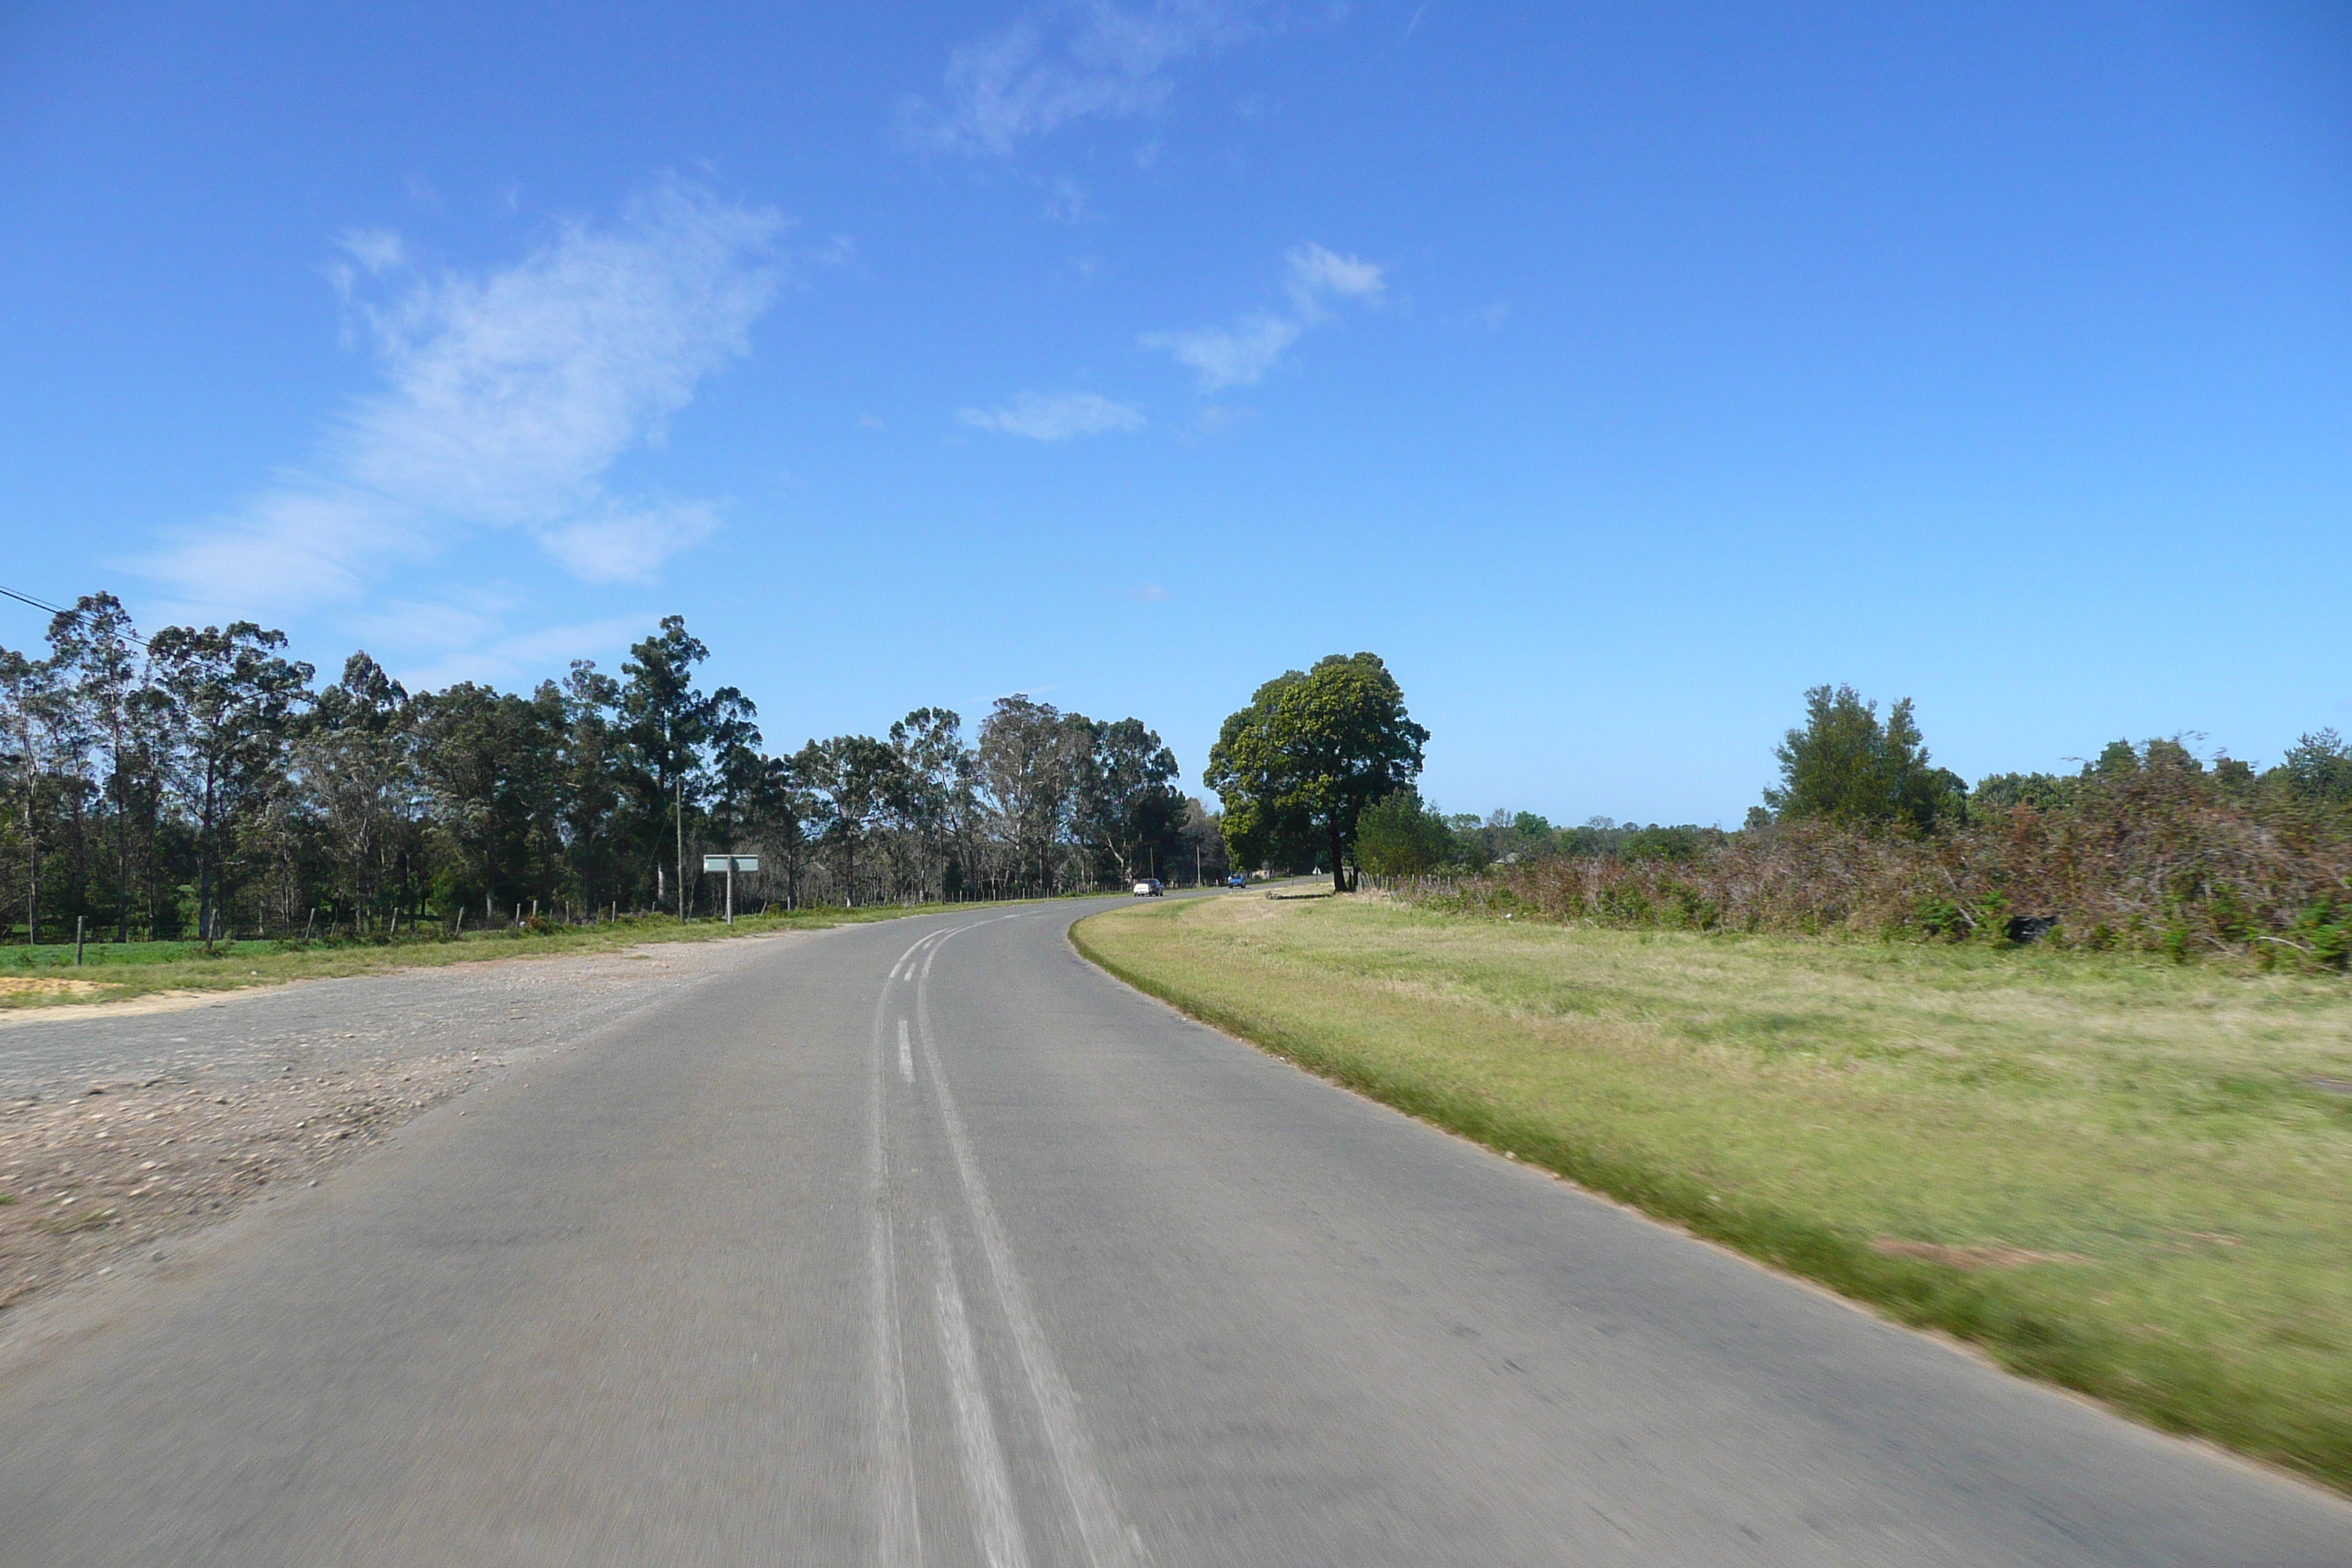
x,y
1308,755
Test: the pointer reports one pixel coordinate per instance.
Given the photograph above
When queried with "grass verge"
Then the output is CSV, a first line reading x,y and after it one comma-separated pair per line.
x,y
2125,1177
47,977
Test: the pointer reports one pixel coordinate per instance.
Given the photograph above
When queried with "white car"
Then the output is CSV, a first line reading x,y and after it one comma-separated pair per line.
x,y
1148,888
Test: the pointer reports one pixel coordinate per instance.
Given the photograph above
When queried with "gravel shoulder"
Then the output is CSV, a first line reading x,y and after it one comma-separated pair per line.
x,y
125,1129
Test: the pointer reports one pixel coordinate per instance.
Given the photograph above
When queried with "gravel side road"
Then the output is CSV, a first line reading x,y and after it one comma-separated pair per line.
x,y
123,1128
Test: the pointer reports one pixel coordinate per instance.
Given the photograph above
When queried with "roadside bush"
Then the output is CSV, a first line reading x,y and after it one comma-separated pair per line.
x,y
2162,858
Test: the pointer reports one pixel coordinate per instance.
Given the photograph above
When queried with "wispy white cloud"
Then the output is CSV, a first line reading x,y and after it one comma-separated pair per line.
x,y
526,657
628,542
1071,61
508,396
1317,273
1054,417
379,250
1236,355
1240,354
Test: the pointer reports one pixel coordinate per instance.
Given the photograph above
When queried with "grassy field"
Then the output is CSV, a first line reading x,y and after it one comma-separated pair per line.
x,y
47,976
2131,1178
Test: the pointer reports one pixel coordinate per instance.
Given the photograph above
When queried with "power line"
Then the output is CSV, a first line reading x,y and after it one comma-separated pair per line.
x,y
56,610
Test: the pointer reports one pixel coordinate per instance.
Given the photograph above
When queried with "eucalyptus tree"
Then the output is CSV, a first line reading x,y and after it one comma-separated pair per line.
x,y
355,755
933,797
595,757
1128,803
1030,762
231,698
852,780
672,727
33,719
779,810
482,768
123,723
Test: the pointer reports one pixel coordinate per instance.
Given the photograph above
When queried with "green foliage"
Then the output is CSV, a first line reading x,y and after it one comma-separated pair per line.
x,y
1301,763
2004,792
1656,843
2115,759
1399,836
2319,768
196,784
1847,767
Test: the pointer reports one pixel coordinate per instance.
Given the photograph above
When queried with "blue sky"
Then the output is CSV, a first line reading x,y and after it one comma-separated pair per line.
x,y
1614,371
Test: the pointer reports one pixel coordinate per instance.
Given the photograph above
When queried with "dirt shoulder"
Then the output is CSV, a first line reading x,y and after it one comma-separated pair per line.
x,y
127,1126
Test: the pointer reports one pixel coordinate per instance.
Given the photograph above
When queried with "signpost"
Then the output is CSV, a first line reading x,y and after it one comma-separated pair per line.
x,y
731,864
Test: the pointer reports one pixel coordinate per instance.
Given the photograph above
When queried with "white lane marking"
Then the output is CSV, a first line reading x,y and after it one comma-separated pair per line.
x,y
898,1527
909,969
905,1055
1109,1540
990,1488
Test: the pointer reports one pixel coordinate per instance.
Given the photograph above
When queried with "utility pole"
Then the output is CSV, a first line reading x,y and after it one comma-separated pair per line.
x,y
681,847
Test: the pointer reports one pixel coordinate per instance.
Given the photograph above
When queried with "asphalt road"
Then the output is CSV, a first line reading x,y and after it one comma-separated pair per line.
x,y
924,1242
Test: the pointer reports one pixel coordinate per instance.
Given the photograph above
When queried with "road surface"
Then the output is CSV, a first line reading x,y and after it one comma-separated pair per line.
x,y
926,1242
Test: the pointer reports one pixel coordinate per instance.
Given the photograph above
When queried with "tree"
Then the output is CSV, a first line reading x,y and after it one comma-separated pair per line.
x,y
353,760
1129,807
1845,766
205,764
779,808
1399,836
1204,839
853,777
594,758
1310,752
1031,758
670,723
231,697
933,797
2319,768
33,716
122,718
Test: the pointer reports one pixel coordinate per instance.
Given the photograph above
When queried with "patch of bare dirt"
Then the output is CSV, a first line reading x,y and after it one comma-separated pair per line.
x,y
1992,1255
120,1129
44,986
120,1166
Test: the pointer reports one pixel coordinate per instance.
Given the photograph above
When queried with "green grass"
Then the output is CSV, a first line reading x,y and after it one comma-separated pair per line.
x,y
118,971
2124,1176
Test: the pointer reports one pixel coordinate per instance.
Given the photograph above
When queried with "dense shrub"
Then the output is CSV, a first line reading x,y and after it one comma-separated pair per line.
x,y
2163,857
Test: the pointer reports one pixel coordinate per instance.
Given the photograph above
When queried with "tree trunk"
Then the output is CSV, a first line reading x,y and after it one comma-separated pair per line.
x,y
1338,869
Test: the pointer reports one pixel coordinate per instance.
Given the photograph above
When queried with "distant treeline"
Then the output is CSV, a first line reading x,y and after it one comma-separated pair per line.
x,y
198,784
2146,846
